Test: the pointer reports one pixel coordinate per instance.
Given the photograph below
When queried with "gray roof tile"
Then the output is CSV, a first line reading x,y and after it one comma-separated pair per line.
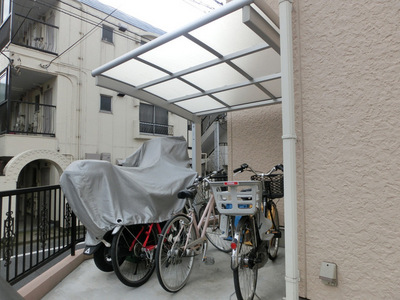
x,y
122,16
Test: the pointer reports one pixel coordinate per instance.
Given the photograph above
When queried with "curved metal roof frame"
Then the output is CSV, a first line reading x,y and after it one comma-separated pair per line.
x,y
227,60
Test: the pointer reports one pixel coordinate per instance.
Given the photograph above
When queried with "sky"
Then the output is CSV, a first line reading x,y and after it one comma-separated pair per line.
x,y
164,14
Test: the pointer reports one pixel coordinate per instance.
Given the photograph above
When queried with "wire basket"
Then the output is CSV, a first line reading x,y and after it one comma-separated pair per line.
x,y
237,198
202,194
273,184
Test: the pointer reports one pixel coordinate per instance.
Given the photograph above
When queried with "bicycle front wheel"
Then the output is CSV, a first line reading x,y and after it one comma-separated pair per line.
x,y
220,240
173,261
274,242
246,271
133,264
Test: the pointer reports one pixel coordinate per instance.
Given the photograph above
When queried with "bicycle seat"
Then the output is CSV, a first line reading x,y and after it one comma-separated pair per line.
x,y
187,194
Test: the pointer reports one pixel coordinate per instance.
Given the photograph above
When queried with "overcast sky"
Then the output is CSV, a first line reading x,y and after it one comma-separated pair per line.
x,y
164,14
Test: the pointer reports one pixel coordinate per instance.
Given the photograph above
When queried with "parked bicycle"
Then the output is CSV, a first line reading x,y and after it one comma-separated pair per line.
x,y
185,237
219,230
133,252
257,232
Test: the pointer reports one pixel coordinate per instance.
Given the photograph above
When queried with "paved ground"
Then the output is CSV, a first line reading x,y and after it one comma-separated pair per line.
x,y
206,281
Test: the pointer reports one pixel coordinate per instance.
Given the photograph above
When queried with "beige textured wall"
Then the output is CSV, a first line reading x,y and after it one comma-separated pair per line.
x,y
255,138
347,93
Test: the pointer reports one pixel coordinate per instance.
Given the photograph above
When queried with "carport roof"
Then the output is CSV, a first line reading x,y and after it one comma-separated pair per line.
x,y
225,61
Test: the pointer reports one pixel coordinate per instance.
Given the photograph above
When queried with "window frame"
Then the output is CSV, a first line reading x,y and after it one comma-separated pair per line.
x,y
105,37
156,123
105,97
5,10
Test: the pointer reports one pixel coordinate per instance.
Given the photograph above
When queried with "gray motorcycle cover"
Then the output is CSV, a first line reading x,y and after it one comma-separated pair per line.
x,y
143,190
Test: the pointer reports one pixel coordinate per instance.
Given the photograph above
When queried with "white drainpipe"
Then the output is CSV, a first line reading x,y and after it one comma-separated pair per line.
x,y
289,150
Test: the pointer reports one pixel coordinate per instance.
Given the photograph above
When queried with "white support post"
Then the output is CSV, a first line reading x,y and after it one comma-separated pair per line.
x,y
196,146
289,150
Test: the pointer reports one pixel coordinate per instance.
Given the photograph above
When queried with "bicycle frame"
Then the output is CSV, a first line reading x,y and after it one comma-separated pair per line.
x,y
199,227
147,233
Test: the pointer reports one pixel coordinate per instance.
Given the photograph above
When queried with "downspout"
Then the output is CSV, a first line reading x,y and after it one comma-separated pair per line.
x,y
289,150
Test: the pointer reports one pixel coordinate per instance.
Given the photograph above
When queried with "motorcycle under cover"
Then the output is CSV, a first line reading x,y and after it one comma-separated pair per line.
x,y
143,190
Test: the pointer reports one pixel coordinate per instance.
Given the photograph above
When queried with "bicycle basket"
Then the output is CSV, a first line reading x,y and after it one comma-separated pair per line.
x,y
237,198
273,184
202,194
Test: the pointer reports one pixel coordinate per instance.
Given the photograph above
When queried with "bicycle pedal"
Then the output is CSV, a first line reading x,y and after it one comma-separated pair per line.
x,y
277,234
209,260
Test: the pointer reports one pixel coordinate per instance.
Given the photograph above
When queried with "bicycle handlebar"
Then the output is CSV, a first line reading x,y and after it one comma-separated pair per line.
x,y
241,168
245,166
191,191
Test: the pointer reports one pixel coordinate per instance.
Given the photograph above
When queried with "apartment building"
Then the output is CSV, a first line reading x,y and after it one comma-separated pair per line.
x,y
51,111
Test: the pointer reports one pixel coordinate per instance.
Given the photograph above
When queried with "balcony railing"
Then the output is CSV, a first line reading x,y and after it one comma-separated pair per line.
x,y
37,225
32,118
153,128
34,33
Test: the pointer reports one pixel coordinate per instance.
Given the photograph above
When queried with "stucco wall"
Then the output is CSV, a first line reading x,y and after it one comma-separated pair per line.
x,y
254,137
347,74
350,71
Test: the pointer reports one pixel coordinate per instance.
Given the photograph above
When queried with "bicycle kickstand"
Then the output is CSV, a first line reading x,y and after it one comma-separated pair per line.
x,y
208,260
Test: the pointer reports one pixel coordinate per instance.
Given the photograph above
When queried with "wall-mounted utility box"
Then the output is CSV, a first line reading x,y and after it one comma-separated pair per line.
x,y
328,273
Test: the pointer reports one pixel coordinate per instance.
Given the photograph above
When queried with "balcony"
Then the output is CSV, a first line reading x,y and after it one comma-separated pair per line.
x,y
31,118
29,109
34,34
31,25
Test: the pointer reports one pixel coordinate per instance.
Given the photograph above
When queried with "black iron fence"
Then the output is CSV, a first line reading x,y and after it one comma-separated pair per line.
x,y
37,225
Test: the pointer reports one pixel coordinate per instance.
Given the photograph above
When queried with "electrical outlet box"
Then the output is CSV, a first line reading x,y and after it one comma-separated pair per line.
x,y
328,273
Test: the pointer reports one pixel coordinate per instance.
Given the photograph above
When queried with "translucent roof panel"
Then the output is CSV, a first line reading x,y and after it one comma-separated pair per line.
x,y
260,64
242,95
274,87
171,89
200,104
214,77
235,35
134,73
219,63
169,55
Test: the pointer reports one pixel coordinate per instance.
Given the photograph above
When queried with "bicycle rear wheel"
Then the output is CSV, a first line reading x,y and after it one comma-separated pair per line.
x,y
133,264
173,262
246,272
220,240
274,242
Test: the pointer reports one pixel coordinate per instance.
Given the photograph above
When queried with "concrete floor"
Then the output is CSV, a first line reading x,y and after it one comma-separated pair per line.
x,y
215,281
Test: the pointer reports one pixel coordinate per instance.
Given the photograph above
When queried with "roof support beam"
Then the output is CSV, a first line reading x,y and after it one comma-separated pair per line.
x,y
126,89
240,107
261,27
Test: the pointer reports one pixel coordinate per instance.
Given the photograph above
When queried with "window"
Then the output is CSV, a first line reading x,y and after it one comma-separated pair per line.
x,y
5,10
3,87
153,119
105,103
107,34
